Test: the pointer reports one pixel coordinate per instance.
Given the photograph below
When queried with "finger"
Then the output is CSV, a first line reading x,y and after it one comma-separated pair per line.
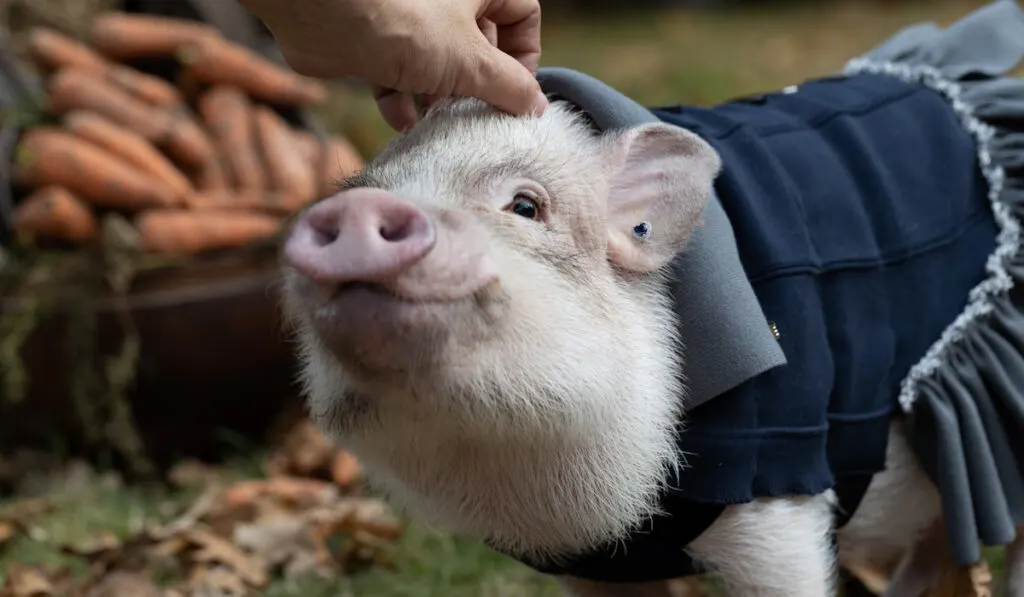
x,y
397,108
489,29
426,101
518,24
500,80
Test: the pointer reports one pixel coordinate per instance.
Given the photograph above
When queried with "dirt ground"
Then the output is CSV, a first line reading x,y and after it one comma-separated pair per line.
x,y
212,532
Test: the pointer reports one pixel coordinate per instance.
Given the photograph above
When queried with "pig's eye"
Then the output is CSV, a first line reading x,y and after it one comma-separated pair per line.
x,y
525,204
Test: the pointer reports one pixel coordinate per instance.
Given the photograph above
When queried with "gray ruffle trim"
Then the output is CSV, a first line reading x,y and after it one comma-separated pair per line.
x,y
965,398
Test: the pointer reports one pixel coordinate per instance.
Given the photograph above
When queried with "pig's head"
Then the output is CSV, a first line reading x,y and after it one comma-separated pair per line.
x,y
484,322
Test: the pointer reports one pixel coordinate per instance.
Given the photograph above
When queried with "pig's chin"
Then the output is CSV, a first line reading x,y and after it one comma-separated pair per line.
x,y
380,328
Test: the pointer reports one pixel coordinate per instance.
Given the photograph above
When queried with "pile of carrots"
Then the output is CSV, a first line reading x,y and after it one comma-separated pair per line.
x,y
200,163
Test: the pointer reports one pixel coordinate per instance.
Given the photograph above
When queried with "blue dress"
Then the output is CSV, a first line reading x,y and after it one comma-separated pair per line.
x,y
863,211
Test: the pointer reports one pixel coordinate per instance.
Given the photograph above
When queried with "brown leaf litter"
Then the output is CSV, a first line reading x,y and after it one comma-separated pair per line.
x,y
233,539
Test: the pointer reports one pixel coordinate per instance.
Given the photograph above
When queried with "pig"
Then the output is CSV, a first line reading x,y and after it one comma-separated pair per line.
x,y
484,318
465,331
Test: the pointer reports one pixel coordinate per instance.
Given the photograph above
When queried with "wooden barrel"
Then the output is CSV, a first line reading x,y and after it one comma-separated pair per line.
x,y
213,355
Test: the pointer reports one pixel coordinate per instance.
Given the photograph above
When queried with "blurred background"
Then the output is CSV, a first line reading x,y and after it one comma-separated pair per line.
x,y
151,438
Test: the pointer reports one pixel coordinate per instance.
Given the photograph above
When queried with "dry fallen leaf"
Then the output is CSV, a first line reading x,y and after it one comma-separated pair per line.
x,y
215,582
285,542
196,512
345,469
216,549
23,581
291,491
124,584
303,451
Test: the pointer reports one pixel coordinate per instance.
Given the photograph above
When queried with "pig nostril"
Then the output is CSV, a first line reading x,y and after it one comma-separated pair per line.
x,y
323,228
395,232
322,237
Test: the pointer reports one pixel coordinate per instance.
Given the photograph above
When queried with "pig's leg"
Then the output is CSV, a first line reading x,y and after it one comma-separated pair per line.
x,y
778,547
894,526
1015,565
575,587
921,567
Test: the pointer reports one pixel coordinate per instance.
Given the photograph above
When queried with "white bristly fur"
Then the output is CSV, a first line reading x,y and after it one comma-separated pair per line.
x,y
576,447
546,421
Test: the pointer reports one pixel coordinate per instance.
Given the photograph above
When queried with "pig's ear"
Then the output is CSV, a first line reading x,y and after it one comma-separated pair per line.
x,y
661,179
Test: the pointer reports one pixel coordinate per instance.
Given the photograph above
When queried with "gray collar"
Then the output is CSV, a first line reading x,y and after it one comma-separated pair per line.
x,y
726,337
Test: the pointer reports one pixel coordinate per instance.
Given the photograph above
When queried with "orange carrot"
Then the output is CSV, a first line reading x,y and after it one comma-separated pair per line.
x,y
129,36
219,61
128,146
55,212
189,232
146,87
340,160
50,49
49,156
186,140
73,88
286,169
227,113
265,200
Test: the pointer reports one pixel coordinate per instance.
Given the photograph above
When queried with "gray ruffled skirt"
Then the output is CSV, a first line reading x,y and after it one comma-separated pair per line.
x,y
965,398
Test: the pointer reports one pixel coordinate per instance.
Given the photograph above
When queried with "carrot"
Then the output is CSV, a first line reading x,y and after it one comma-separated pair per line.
x,y
50,50
146,87
73,88
186,140
49,156
340,160
227,113
189,232
55,212
128,146
265,200
219,61
129,36
286,169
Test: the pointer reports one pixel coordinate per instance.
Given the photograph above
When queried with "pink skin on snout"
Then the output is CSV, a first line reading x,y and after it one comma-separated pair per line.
x,y
382,277
360,235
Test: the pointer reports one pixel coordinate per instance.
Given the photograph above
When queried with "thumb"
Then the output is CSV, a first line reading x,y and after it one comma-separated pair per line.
x,y
500,80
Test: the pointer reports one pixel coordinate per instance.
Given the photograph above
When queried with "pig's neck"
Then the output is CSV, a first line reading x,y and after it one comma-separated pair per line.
x,y
541,490
526,495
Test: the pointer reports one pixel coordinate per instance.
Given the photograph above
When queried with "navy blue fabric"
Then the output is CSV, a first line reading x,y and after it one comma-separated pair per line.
x,y
862,221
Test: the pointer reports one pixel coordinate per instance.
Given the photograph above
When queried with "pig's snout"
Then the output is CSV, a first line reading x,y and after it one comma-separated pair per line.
x,y
359,235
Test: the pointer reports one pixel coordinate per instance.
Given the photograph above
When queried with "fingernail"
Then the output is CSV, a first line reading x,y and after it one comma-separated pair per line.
x,y
540,104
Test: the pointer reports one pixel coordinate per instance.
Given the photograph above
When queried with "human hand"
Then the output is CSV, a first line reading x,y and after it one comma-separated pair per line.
x,y
489,49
